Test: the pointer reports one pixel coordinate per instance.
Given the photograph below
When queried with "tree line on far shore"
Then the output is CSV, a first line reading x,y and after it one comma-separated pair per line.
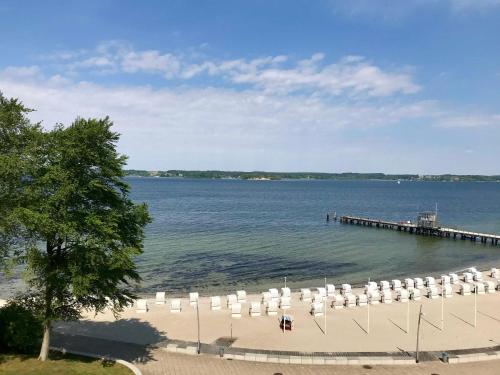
x,y
213,174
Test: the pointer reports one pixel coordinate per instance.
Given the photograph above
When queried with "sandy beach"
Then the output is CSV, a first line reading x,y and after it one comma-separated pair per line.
x,y
346,329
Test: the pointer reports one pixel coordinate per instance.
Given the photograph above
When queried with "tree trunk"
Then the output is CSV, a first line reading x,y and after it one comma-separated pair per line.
x,y
44,351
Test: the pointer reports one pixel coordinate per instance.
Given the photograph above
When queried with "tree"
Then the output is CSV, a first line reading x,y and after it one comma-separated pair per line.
x,y
68,218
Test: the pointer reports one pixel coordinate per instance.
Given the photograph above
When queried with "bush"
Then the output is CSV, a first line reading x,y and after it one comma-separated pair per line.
x,y
20,330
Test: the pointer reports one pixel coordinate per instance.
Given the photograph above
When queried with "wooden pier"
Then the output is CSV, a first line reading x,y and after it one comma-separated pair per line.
x,y
422,229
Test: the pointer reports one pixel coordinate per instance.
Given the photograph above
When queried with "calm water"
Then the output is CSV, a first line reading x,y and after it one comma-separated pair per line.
x,y
216,235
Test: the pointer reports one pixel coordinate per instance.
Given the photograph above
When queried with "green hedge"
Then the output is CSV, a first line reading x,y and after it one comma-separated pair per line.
x,y
20,330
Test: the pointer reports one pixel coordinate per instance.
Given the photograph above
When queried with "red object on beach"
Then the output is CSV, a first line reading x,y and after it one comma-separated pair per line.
x,y
287,320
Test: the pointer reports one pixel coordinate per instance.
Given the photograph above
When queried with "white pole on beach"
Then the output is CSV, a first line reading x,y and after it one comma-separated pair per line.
x,y
324,305
408,316
198,319
368,310
475,305
442,307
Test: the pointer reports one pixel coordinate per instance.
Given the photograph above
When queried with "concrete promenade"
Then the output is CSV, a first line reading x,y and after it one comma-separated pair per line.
x,y
160,362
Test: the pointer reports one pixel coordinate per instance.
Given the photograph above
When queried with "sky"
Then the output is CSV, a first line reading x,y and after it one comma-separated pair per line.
x,y
322,86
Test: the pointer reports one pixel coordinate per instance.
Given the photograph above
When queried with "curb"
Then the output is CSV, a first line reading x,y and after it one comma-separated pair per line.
x,y
129,365
302,359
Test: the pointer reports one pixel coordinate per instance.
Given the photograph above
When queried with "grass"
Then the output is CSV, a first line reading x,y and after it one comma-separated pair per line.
x,y
58,364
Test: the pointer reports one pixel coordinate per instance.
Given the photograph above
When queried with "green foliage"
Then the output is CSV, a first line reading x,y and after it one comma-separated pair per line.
x,y
20,329
66,214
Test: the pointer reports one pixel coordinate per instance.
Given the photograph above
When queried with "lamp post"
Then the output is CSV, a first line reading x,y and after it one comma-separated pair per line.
x,y
442,307
475,305
368,310
198,319
324,305
418,334
408,315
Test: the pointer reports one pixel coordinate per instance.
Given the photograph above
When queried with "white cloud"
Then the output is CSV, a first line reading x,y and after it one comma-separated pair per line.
x,y
352,75
151,62
21,72
470,121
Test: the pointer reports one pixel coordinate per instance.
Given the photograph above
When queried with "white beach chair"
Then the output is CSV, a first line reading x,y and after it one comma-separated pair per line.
x,y
330,290
372,285
305,294
317,309
465,289
419,283
402,295
350,300
432,292
373,297
286,292
489,286
193,298
346,289
409,284
285,303
160,298
215,303
275,295
415,294
230,299
175,305
266,297
478,276
338,301
236,310
386,296
322,292
142,306
317,298
454,279
384,285
241,295
396,285
447,290
430,281
494,273
362,300
445,280
272,308
468,277
479,288
320,297
254,309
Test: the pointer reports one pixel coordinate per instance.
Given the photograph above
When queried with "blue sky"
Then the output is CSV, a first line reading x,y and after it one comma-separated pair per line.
x,y
363,85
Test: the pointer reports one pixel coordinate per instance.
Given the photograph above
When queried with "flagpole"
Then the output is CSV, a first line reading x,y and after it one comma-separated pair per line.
x,y
324,312
369,301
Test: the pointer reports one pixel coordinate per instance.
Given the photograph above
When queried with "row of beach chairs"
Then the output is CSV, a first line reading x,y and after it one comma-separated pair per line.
x,y
374,293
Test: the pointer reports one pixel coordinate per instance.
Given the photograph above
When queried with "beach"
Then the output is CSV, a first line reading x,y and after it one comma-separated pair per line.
x,y
346,329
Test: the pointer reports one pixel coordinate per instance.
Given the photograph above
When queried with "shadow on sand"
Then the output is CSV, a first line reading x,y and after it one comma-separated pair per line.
x,y
129,339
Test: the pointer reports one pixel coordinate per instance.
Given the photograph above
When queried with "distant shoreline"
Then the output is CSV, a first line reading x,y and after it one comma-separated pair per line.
x,y
275,176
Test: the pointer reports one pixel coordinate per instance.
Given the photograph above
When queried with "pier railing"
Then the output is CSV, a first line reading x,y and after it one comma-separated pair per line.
x,y
413,228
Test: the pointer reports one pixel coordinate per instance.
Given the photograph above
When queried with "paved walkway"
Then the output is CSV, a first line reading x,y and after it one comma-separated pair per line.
x,y
180,364
160,362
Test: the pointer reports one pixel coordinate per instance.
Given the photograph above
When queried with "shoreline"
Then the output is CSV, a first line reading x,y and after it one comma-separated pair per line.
x,y
259,287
